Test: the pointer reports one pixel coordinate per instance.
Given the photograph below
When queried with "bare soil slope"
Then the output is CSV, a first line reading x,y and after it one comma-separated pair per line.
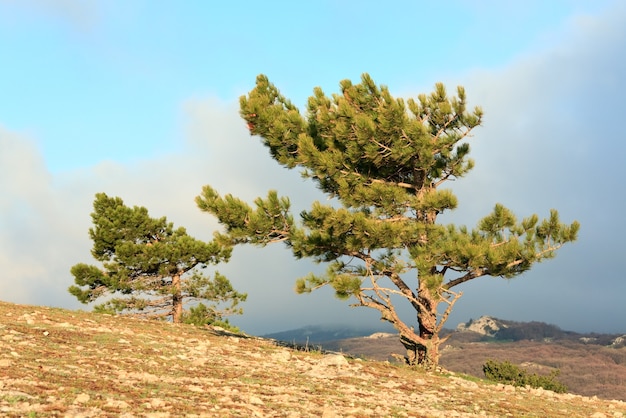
x,y
55,362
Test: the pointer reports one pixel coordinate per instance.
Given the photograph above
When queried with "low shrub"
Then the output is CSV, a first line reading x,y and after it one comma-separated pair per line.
x,y
510,374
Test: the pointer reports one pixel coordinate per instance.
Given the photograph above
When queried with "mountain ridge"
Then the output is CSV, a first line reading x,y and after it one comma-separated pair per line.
x,y
486,326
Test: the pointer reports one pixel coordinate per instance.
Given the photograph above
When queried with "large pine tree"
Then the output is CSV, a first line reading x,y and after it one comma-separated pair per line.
x,y
384,161
149,268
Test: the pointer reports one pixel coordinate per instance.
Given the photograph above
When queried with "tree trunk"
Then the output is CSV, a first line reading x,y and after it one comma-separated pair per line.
x,y
425,351
177,300
422,351
423,348
428,352
428,355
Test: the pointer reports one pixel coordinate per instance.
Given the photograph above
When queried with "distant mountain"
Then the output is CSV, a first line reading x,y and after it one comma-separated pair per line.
x,y
314,334
619,341
500,329
485,325
485,328
490,328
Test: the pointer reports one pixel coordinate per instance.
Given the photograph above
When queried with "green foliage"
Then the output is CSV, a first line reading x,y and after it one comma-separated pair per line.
x,y
510,374
201,315
148,267
382,162
364,136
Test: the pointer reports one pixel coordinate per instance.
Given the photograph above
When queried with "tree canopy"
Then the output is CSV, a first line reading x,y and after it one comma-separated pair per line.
x,y
383,162
150,268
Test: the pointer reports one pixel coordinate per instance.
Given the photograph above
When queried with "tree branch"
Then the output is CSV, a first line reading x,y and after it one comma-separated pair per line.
x,y
444,316
467,277
405,290
393,183
388,313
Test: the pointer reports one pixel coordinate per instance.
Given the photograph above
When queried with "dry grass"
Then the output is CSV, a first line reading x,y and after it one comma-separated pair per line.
x,y
55,362
589,370
586,369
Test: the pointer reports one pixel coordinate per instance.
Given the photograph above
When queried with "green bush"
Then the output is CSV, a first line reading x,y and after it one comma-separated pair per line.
x,y
201,315
510,374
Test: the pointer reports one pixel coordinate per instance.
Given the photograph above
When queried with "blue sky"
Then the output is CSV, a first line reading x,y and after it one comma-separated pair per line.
x,y
139,99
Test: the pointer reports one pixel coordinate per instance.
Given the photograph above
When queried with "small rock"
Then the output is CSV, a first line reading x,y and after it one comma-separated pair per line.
x,y
157,403
329,412
114,403
334,360
282,356
390,384
200,361
82,398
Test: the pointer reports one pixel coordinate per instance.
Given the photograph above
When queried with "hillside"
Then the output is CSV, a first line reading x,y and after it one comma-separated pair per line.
x,y
589,364
55,362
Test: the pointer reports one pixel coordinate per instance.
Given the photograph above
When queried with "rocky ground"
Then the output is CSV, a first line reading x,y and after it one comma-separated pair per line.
x,y
55,362
586,369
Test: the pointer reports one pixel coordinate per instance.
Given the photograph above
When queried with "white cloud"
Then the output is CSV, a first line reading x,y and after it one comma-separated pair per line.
x,y
551,139
24,167
32,224
46,218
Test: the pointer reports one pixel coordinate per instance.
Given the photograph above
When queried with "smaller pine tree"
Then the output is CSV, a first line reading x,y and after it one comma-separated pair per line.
x,y
149,268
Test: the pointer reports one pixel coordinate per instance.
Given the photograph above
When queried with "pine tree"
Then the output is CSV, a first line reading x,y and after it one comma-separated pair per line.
x,y
150,268
383,161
